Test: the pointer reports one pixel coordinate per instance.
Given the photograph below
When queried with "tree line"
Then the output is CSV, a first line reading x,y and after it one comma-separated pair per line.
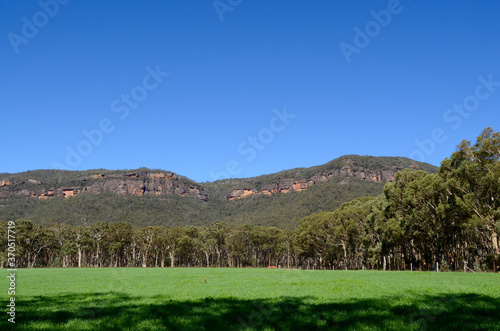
x,y
449,220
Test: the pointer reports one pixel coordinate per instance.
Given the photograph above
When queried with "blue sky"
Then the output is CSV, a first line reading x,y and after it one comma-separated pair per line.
x,y
242,88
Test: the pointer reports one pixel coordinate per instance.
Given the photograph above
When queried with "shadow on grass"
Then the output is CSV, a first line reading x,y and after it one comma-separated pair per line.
x,y
115,311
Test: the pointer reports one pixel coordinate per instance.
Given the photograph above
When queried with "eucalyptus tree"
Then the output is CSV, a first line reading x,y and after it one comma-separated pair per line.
x,y
312,239
144,239
172,238
475,170
217,232
399,232
118,238
206,246
4,244
83,243
23,243
33,241
65,238
272,245
373,231
258,248
97,240
239,246
346,225
189,246
161,245
287,248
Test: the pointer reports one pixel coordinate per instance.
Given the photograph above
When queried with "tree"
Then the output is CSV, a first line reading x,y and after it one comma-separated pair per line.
x,y
475,170
373,232
172,241
312,239
217,232
66,242
118,237
97,241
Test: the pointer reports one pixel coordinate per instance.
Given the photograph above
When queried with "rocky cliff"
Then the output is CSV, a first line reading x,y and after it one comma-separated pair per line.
x,y
129,183
148,182
348,169
146,197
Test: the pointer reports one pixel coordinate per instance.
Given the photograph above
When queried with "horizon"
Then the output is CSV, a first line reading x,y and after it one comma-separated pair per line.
x,y
179,174
242,89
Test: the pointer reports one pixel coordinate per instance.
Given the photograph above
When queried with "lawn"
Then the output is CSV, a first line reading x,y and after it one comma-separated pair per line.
x,y
245,299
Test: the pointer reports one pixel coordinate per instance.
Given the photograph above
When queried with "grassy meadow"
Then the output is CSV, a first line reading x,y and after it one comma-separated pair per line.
x,y
247,299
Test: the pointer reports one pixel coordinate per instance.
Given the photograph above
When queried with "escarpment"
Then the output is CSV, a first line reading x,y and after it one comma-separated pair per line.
x,y
132,183
299,184
365,168
49,184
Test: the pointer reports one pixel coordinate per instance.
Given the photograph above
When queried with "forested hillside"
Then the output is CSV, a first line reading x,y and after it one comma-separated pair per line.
x,y
144,197
448,220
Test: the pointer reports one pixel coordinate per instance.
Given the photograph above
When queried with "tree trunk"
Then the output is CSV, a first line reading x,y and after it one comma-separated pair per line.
x,y
345,254
494,241
288,259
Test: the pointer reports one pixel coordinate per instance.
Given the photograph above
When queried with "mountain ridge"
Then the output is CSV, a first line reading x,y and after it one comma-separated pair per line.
x,y
36,194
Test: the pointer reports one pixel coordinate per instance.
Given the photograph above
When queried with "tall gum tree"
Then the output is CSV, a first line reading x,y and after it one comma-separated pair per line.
x,y
476,169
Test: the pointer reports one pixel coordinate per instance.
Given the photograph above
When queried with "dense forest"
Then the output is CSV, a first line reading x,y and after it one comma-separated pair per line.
x,y
423,221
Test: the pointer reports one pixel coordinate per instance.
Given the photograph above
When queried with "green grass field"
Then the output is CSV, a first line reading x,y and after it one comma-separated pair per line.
x,y
264,299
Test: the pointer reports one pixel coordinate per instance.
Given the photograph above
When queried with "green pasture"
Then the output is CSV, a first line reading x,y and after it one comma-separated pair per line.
x,y
247,299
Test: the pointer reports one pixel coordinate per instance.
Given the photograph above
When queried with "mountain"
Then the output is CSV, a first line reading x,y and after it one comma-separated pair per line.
x,y
145,197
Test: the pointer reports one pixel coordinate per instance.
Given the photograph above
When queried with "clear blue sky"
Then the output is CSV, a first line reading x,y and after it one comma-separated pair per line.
x,y
85,65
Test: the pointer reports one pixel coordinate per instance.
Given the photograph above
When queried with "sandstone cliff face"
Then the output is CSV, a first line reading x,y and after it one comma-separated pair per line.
x,y
137,183
149,182
297,185
5,182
